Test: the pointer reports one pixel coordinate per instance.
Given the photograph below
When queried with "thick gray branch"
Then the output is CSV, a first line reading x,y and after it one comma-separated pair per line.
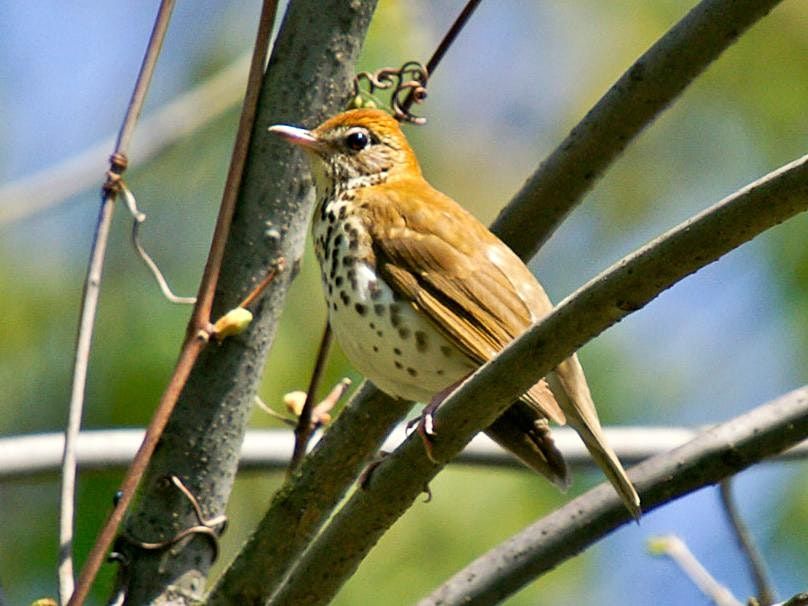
x,y
716,454
309,77
300,507
604,301
631,104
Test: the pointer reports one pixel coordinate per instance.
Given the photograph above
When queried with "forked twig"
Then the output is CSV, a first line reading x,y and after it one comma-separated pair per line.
x,y
89,304
200,321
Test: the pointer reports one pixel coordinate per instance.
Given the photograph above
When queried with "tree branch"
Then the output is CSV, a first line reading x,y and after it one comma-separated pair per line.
x,y
631,104
33,455
716,454
89,303
299,509
604,301
202,440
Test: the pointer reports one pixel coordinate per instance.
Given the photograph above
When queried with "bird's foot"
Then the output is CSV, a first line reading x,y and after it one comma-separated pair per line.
x,y
425,424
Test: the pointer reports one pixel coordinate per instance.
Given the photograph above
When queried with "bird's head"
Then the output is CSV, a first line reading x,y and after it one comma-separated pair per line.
x,y
355,148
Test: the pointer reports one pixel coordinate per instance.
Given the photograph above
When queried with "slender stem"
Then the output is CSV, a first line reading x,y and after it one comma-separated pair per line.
x,y
444,45
262,285
210,275
304,430
450,36
84,342
194,343
89,304
757,567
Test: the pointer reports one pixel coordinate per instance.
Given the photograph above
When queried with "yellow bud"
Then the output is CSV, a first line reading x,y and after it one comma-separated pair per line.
x,y
234,322
658,546
294,401
44,602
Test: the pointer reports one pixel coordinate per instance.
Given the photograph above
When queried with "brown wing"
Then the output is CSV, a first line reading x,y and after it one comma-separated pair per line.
x,y
442,260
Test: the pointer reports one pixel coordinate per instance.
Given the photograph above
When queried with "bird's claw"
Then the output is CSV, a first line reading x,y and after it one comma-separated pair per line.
x,y
425,428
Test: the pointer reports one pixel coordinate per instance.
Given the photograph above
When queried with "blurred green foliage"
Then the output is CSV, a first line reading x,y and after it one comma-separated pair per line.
x,y
518,79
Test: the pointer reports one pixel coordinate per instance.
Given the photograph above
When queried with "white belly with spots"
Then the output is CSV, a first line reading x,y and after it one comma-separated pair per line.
x,y
391,344
384,338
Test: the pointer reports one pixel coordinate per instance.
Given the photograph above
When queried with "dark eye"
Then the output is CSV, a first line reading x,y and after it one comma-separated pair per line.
x,y
357,140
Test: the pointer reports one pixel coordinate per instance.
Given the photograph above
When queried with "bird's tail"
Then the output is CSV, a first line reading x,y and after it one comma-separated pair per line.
x,y
525,432
572,393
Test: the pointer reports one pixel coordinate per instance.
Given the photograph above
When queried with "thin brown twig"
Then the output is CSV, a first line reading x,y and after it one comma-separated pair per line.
x,y
444,45
763,585
196,336
279,265
303,429
450,36
92,287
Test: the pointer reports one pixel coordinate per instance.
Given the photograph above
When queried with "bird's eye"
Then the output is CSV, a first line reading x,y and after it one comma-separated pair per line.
x,y
357,140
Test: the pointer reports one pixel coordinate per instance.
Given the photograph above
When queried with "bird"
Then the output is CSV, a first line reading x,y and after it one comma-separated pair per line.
x,y
420,293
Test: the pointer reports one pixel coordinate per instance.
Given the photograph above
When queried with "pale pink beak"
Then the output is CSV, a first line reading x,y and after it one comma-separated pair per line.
x,y
299,136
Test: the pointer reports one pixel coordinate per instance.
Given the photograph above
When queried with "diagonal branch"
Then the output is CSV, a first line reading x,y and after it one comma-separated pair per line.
x,y
283,523
631,104
716,454
624,288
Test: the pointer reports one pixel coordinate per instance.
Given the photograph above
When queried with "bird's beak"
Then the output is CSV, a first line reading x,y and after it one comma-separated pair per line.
x,y
299,136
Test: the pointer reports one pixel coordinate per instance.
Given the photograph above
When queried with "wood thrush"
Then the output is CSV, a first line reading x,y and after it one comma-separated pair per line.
x,y
420,293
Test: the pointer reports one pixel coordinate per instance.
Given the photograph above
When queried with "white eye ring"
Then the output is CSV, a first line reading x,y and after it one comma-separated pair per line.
x,y
357,139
